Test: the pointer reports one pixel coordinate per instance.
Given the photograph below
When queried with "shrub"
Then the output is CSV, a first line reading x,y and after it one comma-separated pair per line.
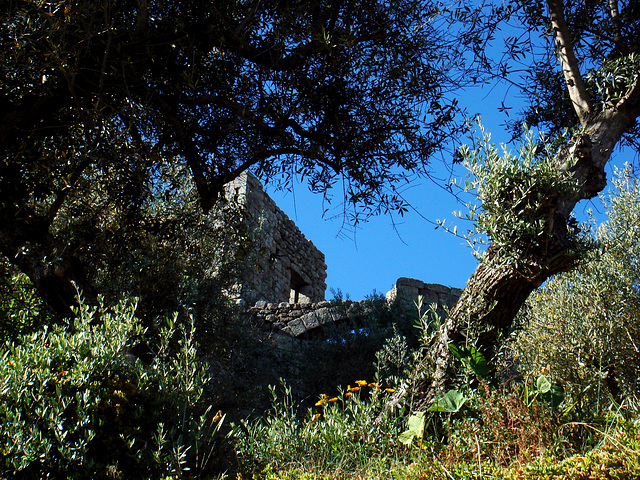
x,y
505,428
79,405
585,325
337,435
21,309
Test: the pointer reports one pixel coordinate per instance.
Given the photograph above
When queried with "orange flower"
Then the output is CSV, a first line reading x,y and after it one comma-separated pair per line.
x,y
362,383
319,403
353,389
374,385
334,399
389,390
315,418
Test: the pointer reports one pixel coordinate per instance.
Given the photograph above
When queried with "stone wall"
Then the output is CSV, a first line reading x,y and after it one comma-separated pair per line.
x,y
408,290
289,268
299,320
304,320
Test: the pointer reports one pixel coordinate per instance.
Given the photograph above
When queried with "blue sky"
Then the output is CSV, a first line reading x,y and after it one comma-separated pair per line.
x,y
380,252
383,250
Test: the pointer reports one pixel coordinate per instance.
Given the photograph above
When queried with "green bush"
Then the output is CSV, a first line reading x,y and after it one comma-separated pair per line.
x,y
338,435
21,309
80,405
159,247
584,326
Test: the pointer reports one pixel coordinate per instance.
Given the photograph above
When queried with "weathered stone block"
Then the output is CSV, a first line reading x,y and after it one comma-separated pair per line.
x,y
439,289
310,321
297,327
323,315
409,282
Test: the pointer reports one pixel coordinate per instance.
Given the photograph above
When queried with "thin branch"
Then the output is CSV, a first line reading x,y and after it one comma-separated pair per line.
x,y
615,19
190,151
568,62
631,97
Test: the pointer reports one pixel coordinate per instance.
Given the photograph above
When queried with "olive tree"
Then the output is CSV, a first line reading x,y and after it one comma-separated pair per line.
x,y
581,76
347,95
584,324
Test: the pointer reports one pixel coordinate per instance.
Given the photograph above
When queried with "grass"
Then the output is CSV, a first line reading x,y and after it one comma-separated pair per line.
x,y
498,436
603,462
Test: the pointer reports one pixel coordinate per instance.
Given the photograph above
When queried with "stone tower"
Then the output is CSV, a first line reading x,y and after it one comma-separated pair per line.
x,y
289,268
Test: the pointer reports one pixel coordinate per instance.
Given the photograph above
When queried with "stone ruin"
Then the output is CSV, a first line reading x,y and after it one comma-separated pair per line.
x,y
309,320
285,285
289,268
409,289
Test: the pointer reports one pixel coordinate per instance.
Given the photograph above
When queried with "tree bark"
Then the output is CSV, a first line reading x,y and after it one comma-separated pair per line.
x,y
56,273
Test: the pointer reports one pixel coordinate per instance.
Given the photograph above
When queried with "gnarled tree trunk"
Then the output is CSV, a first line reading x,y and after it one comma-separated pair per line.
x,y
49,263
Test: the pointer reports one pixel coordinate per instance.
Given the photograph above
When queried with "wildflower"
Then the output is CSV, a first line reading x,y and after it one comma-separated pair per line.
x,y
362,383
334,399
315,418
64,372
347,394
319,403
374,385
389,390
352,389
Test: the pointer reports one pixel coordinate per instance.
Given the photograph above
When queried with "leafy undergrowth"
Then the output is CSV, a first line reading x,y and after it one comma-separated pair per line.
x,y
500,436
619,459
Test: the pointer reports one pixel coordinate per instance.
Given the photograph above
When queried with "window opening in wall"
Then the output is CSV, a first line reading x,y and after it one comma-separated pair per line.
x,y
299,290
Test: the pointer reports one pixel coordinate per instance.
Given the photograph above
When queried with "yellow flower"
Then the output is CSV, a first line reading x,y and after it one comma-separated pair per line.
x,y
319,403
352,389
315,418
374,385
334,399
389,390
347,394
362,383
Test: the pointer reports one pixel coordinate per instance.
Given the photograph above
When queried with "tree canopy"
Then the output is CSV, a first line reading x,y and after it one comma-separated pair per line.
x,y
104,96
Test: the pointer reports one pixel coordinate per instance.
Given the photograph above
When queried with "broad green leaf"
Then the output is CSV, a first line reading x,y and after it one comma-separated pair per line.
x,y
450,402
478,363
415,428
554,396
416,422
406,437
543,384
472,358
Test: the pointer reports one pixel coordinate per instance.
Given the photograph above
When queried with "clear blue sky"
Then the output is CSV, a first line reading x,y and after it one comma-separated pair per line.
x,y
380,252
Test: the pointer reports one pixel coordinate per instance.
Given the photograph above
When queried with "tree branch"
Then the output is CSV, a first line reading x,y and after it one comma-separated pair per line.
x,y
568,62
617,23
631,97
